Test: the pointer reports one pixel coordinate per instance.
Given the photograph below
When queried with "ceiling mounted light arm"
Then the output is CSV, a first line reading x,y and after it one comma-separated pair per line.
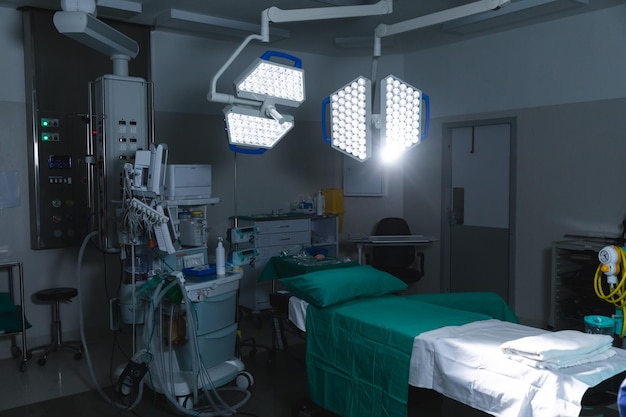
x,y
216,97
277,15
78,21
432,19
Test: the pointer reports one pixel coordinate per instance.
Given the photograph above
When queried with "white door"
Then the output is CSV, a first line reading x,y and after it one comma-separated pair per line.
x,y
477,249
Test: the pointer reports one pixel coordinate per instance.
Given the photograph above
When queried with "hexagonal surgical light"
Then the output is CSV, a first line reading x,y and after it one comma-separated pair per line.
x,y
402,115
350,116
403,120
250,128
265,79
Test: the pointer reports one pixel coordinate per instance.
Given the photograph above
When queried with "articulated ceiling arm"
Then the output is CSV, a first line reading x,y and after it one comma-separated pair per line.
x,y
276,15
432,19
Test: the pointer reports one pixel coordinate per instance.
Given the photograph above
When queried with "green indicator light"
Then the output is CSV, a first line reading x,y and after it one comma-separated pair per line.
x,y
45,137
44,123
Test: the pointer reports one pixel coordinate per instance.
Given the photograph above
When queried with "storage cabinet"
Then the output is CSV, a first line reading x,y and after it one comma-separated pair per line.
x,y
574,263
216,331
275,236
325,232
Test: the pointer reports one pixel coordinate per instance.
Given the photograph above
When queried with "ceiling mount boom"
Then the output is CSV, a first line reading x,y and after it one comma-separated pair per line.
x,y
432,19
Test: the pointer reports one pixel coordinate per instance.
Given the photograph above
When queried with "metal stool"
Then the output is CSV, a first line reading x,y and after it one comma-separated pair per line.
x,y
57,296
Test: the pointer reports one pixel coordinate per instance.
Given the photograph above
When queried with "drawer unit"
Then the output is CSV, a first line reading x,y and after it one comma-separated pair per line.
x,y
214,348
274,237
284,239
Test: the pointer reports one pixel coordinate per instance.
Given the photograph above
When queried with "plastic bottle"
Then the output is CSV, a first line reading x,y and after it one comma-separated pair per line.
x,y
220,258
320,204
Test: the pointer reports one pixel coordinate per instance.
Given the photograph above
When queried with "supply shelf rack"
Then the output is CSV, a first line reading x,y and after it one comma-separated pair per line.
x,y
10,264
574,263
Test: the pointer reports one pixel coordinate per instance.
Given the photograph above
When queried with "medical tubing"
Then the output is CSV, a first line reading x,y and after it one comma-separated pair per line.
x,y
191,331
155,342
617,294
83,339
191,324
133,295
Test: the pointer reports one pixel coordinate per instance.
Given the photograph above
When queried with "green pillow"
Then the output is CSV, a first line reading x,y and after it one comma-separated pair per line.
x,y
334,286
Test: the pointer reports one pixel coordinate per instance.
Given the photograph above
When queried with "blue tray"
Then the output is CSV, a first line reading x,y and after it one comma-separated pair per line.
x,y
200,270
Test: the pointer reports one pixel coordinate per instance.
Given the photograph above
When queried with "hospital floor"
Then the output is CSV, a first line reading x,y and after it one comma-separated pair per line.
x,y
63,387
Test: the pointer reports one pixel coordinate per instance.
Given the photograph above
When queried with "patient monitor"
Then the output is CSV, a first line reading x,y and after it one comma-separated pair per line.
x,y
149,170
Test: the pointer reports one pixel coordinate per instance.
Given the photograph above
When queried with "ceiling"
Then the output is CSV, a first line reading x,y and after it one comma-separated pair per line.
x,y
235,19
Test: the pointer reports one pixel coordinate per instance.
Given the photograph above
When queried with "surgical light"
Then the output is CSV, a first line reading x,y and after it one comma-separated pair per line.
x,y
286,85
401,113
252,119
403,121
350,117
250,128
264,78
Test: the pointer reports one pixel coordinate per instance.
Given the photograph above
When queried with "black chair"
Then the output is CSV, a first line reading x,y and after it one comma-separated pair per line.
x,y
56,296
404,262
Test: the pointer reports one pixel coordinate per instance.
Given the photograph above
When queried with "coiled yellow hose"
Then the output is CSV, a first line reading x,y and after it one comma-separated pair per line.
x,y
617,294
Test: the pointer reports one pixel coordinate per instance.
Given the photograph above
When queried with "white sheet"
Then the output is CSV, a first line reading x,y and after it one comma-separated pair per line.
x,y
485,378
561,349
297,312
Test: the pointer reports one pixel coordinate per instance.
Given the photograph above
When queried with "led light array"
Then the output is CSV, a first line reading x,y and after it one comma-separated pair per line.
x,y
350,116
250,129
273,80
402,112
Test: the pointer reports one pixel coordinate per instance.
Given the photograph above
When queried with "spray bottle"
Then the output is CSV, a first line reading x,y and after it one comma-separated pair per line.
x,y
220,258
320,204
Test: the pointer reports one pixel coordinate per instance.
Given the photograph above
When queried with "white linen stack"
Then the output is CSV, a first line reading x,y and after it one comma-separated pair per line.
x,y
561,349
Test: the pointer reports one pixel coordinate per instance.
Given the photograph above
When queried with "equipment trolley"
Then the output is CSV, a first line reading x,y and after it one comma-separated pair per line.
x,y
10,265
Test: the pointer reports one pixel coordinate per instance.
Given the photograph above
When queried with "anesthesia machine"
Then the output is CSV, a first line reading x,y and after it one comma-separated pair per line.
x,y
182,313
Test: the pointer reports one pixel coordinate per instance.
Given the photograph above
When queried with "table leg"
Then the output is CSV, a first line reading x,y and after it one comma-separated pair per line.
x,y
359,248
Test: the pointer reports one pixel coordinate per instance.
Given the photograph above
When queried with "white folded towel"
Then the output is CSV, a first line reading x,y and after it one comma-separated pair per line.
x,y
554,350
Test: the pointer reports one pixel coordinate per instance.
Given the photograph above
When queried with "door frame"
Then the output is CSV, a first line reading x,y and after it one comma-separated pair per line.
x,y
446,197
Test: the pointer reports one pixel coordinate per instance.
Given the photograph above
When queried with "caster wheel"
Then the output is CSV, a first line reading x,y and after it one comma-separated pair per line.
x,y
29,355
244,380
23,366
185,402
41,361
78,356
16,352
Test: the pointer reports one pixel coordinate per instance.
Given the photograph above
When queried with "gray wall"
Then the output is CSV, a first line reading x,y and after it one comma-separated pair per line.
x,y
566,87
